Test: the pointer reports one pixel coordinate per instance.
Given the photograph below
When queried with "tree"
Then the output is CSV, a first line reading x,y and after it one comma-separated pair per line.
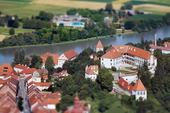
x,y
109,7
129,25
34,60
122,8
129,6
26,61
113,68
11,31
105,79
49,65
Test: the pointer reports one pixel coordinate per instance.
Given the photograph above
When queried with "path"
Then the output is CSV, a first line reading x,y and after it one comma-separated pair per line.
x,y
23,93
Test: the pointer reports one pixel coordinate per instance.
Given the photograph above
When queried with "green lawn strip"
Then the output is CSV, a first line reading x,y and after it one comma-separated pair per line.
x,y
5,31
96,0
146,17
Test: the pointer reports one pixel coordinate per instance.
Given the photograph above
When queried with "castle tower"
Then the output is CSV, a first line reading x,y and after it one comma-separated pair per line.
x,y
99,46
76,107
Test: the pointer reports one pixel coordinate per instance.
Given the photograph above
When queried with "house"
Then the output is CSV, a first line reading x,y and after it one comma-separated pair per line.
x,y
91,56
69,55
109,20
95,58
78,107
120,54
37,75
55,59
124,85
139,90
99,46
27,72
91,72
61,74
42,85
45,77
7,70
8,96
19,68
111,58
132,77
165,49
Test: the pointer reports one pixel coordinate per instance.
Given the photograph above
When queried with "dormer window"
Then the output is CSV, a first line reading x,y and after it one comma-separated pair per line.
x,y
5,67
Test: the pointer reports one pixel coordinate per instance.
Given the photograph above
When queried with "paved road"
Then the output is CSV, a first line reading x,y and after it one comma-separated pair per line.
x,y
23,93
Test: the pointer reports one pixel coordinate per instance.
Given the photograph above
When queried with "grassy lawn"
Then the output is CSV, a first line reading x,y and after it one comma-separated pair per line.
x,y
129,68
146,17
116,107
24,8
119,32
97,0
5,31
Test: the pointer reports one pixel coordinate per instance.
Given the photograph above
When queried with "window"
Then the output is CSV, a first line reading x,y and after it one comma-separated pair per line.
x,y
110,63
4,70
141,93
144,93
111,60
102,62
138,92
5,67
102,58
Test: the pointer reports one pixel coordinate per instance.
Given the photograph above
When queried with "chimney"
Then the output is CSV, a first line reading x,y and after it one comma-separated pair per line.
x,y
155,40
151,58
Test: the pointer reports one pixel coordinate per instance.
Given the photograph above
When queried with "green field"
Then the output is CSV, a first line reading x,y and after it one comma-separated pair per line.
x,y
146,17
24,8
97,0
5,31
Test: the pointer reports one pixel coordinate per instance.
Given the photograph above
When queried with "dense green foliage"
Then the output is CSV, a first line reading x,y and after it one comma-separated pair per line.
x,y
20,104
49,65
11,31
147,25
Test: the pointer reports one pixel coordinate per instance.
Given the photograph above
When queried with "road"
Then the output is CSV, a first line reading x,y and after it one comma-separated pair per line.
x,y
23,93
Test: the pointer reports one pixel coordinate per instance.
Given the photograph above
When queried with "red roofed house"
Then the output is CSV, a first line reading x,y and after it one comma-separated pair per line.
x,y
91,72
111,58
61,74
165,49
99,46
116,55
19,68
125,86
7,70
55,59
78,107
37,74
69,55
42,85
139,90
95,58
28,72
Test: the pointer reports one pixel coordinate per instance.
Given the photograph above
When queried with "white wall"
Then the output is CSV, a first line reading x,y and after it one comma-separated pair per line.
x,y
129,79
36,79
99,49
108,63
61,60
51,106
90,76
139,94
18,69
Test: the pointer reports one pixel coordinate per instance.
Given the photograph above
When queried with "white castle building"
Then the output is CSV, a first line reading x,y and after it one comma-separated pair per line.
x,y
120,54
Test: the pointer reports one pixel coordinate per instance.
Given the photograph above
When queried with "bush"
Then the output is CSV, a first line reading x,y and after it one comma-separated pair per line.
x,y
11,31
114,68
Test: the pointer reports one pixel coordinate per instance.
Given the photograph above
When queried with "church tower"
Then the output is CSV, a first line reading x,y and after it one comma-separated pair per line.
x,y
99,46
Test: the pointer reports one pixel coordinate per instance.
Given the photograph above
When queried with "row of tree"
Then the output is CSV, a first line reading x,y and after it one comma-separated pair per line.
x,y
147,25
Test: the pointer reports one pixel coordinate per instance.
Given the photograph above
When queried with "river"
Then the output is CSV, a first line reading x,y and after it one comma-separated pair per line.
x,y
7,55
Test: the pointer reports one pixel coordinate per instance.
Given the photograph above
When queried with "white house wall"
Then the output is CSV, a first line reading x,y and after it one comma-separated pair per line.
x,y
91,76
18,69
139,94
130,79
99,49
108,63
61,60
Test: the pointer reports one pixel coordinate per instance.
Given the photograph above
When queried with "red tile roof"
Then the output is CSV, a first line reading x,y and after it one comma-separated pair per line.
x,y
42,83
125,84
159,47
139,86
91,69
45,77
70,54
45,71
6,69
28,71
112,54
20,66
99,44
167,43
131,50
55,57
95,58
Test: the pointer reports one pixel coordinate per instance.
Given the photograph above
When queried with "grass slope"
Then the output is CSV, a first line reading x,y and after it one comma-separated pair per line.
x,y
146,17
5,31
97,0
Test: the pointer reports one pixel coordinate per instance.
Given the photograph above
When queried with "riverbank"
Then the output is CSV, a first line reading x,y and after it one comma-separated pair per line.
x,y
67,42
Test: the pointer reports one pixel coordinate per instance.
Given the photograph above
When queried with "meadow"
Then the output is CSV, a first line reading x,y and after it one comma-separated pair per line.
x,y
146,17
5,31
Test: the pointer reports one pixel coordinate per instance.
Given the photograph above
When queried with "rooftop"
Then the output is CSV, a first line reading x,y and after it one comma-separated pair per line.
x,y
99,44
139,86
